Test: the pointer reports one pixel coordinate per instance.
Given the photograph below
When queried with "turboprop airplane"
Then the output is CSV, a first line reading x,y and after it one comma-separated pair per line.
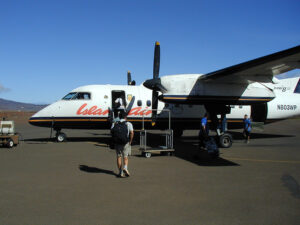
x,y
247,88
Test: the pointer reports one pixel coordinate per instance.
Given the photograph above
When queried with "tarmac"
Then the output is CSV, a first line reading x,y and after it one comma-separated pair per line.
x,y
43,182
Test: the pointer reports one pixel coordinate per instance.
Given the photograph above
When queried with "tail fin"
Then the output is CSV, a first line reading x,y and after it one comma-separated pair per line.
x,y
297,88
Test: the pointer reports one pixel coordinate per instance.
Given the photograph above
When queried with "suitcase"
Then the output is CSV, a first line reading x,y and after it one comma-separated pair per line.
x,y
212,147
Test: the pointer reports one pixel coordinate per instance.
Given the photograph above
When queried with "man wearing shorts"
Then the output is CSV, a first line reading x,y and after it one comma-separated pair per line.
x,y
123,150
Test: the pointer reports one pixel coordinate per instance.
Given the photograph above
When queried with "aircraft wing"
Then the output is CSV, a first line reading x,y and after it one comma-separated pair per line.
x,y
258,70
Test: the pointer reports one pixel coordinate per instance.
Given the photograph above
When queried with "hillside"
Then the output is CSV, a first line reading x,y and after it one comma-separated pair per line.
x,y
7,105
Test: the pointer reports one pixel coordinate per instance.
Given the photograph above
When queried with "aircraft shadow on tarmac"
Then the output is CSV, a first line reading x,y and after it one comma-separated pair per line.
x,y
237,135
187,148
99,139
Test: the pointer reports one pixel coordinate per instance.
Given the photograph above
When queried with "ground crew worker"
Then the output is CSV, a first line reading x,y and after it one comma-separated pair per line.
x,y
247,128
204,131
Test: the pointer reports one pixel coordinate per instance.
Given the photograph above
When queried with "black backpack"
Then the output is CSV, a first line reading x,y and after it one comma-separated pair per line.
x,y
120,133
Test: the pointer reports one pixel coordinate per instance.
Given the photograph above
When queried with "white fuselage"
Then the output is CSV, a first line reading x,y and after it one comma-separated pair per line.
x,y
94,111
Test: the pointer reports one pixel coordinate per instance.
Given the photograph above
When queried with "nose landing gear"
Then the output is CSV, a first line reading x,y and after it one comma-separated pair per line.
x,y
60,136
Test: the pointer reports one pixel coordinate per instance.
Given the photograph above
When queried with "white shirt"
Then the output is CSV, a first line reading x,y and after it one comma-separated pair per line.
x,y
120,100
129,126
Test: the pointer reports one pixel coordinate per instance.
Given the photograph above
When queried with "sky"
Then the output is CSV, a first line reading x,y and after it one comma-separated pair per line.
x,y
48,48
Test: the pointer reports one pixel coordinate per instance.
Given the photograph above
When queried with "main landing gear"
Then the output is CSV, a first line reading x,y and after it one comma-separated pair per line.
x,y
224,139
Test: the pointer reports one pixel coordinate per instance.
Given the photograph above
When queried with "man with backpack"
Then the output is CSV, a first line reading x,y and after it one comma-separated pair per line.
x,y
122,134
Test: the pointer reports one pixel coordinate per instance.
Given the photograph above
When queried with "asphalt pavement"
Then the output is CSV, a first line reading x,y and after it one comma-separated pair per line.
x,y
43,182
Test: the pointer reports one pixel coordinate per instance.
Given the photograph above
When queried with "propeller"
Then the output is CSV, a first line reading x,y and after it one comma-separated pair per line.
x,y
129,81
155,83
130,104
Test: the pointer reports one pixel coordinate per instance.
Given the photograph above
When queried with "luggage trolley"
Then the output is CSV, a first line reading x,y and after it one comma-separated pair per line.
x,y
166,149
8,137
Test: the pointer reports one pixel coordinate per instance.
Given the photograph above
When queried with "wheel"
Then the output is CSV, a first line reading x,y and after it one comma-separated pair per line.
x,y
10,143
61,137
147,154
225,140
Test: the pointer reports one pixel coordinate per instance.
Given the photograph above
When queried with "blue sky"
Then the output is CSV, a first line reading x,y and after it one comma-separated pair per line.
x,y
48,48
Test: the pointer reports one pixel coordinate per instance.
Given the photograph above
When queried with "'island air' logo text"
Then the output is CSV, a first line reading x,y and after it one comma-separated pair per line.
x,y
286,107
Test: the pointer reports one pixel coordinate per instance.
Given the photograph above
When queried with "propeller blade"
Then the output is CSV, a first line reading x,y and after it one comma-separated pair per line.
x,y
156,60
128,78
130,105
154,105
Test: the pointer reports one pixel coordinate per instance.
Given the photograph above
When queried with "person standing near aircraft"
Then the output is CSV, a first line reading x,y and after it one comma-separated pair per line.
x,y
247,128
204,131
122,133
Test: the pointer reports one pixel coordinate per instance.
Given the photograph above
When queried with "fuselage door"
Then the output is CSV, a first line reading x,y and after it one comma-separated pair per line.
x,y
259,112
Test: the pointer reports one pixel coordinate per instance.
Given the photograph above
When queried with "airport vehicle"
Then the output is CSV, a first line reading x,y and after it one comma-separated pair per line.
x,y
247,88
8,137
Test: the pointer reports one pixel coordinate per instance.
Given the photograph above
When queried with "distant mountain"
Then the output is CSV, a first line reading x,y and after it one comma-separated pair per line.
x,y
8,105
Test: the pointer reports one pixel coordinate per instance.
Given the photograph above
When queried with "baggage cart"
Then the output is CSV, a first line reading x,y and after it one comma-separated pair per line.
x,y
166,149
8,137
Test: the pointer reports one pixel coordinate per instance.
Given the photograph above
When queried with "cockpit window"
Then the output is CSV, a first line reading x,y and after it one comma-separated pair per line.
x,y
69,96
77,95
82,95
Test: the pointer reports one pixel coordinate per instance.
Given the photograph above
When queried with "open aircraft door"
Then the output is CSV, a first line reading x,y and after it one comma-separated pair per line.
x,y
117,94
259,112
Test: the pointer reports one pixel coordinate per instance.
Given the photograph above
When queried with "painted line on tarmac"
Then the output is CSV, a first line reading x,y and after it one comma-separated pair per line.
x,y
265,160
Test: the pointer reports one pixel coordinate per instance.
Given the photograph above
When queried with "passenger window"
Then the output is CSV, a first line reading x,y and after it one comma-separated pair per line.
x,y
139,102
240,106
148,103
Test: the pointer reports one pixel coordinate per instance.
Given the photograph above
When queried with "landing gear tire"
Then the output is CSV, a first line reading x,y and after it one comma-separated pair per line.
x,y
61,137
10,143
225,140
